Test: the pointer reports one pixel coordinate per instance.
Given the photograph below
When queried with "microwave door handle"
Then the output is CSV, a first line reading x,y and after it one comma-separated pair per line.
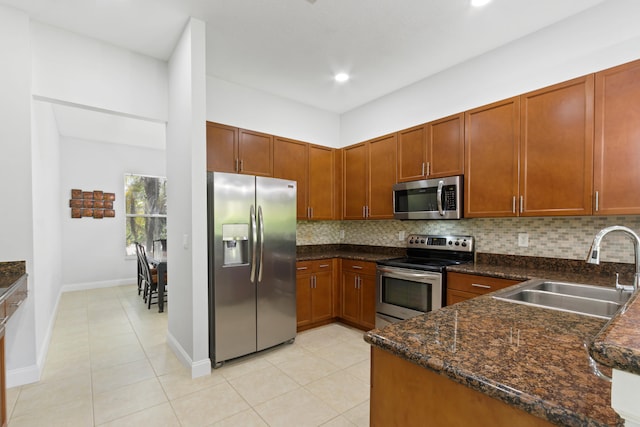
x,y
439,198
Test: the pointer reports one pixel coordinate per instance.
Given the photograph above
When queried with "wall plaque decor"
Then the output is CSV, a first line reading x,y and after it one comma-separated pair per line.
x,y
95,204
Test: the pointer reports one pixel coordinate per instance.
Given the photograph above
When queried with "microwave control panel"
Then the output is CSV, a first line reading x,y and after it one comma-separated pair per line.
x,y
449,198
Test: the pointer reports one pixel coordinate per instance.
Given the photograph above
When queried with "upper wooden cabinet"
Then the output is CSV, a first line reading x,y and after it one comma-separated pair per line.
x,y
231,149
433,150
222,147
491,159
617,141
255,153
312,166
556,149
322,180
532,155
369,175
290,161
445,147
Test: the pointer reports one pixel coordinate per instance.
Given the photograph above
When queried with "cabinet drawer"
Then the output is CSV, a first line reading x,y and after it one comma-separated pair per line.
x,y
314,266
361,267
477,284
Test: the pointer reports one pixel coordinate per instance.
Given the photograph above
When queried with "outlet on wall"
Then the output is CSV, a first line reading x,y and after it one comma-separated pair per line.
x,y
342,234
523,240
401,235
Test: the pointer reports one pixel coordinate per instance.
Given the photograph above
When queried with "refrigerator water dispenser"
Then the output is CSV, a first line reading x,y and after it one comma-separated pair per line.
x,y
235,242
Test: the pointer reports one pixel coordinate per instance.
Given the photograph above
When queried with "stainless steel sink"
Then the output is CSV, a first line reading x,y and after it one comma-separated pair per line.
x,y
589,300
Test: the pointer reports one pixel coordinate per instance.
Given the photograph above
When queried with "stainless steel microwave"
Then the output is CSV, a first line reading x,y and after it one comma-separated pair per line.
x,y
439,198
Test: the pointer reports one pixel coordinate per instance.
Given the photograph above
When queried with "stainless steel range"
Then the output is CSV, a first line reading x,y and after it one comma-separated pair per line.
x,y
417,283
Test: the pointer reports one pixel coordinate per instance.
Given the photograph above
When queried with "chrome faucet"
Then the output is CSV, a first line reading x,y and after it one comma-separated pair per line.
x,y
594,253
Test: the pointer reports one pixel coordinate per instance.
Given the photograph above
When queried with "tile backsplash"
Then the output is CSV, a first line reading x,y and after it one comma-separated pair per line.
x,y
555,237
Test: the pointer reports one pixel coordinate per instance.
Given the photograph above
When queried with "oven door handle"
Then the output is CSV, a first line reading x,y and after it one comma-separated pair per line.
x,y
407,274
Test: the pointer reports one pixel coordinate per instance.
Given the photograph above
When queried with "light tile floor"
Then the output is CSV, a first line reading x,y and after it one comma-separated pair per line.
x,y
109,365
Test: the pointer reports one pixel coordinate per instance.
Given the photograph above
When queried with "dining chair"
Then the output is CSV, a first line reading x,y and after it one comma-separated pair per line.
x,y
149,278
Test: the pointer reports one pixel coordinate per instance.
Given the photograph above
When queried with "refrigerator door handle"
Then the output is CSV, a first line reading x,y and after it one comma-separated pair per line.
x,y
261,237
254,241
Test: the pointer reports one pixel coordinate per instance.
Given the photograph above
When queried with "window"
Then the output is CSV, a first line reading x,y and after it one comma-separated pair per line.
x,y
146,210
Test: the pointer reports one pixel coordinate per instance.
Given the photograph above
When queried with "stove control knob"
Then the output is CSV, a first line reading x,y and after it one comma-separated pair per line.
x,y
457,243
464,244
411,242
450,242
422,241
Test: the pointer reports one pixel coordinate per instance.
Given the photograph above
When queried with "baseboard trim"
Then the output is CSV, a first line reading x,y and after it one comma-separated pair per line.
x,y
200,368
24,375
97,285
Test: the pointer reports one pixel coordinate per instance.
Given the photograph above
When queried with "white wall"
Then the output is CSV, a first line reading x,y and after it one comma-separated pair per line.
x,y
599,38
247,108
93,250
89,72
47,217
187,201
16,209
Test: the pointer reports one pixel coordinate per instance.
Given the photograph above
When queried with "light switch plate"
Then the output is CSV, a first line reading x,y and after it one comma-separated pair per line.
x,y
342,234
523,240
401,235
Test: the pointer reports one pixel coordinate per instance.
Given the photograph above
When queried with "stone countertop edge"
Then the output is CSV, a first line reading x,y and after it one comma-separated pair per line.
x,y
618,344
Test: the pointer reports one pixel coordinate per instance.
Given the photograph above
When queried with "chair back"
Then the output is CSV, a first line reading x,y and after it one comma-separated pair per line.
x,y
143,264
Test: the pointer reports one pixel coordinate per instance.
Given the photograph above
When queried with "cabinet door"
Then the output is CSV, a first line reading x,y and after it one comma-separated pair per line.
x,y
355,181
290,161
617,141
255,151
412,154
222,147
350,301
381,177
321,301
556,156
454,296
368,301
445,142
491,157
321,182
303,298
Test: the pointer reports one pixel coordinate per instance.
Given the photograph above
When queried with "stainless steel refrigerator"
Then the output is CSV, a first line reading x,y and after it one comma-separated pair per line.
x,y
252,255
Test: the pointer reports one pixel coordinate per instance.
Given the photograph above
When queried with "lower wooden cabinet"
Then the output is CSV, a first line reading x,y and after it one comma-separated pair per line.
x,y
315,296
358,294
461,287
405,394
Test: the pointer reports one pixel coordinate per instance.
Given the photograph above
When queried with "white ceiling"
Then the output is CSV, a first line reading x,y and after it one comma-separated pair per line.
x,y
291,48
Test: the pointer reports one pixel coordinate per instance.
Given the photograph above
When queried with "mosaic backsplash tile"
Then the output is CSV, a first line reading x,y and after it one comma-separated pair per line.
x,y
556,237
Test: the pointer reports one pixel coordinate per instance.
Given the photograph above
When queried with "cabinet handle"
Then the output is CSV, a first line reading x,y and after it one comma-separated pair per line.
x,y
313,281
521,204
428,168
513,207
323,265
237,168
597,207
311,210
241,165
423,169
357,267
477,285
355,282
364,212
301,268
367,210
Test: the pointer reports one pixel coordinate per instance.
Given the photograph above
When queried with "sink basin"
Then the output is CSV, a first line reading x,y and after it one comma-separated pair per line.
x,y
588,300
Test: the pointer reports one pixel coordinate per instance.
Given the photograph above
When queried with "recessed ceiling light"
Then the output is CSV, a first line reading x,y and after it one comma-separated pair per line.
x,y
341,77
478,3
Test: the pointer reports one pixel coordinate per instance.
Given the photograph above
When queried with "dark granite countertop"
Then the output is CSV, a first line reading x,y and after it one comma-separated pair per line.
x,y
10,273
618,344
531,358
357,252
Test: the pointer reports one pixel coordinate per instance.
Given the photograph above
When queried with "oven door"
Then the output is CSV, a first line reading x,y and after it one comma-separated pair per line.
x,y
403,293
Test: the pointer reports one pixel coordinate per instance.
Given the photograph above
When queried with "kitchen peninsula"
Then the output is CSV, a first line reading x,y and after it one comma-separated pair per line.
x,y
489,362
